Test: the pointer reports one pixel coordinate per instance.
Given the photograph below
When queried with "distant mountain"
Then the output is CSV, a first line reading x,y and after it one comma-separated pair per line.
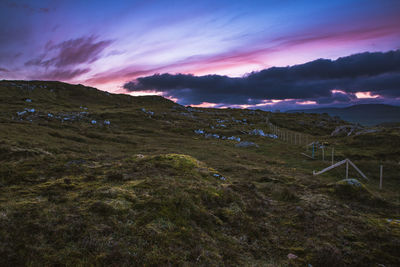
x,y
365,114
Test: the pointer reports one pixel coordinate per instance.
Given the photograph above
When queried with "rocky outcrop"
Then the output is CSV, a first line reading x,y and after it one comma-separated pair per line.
x,y
346,130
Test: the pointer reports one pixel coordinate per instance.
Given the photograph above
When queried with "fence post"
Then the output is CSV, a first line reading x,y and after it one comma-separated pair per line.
x,y
313,150
381,177
333,149
347,169
323,154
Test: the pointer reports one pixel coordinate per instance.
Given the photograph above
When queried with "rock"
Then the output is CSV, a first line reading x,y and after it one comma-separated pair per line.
x,y
345,130
291,256
234,138
219,176
257,132
246,144
28,100
199,131
215,136
107,122
151,113
351,181
354,190
93,122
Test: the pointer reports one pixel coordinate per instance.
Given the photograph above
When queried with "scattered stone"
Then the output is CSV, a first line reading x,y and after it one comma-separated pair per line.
x,y
246,144
199,131
273,136
291,256
209,135
234,138
21,113
351,181
28,100
107,122
257,132
31,110
219,176
93,122
151,113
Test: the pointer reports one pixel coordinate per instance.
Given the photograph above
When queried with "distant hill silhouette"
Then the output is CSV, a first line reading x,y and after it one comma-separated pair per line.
x,y
365,114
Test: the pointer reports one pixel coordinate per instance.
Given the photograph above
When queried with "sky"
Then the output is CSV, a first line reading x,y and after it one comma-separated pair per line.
x,y
270,54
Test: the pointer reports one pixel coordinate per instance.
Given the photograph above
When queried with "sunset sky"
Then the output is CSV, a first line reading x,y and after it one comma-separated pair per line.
x,y
228,47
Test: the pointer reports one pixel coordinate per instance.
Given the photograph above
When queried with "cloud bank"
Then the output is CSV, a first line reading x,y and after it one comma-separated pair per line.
x,y
322,81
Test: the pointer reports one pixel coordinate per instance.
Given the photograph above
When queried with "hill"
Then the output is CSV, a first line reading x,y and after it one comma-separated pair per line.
x,y
365,114
91,178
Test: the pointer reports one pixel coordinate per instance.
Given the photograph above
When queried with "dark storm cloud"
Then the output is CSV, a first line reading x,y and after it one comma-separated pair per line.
x,y
71,52
3,69
376,72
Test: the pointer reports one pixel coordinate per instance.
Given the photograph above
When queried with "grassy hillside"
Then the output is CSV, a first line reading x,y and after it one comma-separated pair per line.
x,y
91,178
365,114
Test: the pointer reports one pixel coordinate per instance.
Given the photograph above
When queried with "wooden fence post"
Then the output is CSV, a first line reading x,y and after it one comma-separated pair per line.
x,y
381,177
323,154
347,169
333,149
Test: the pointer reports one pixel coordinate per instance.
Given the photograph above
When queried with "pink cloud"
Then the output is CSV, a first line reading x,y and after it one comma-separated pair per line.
x,y
361,95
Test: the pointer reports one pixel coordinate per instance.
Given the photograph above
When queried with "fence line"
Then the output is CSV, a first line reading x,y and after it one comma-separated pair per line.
x,y
299,139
